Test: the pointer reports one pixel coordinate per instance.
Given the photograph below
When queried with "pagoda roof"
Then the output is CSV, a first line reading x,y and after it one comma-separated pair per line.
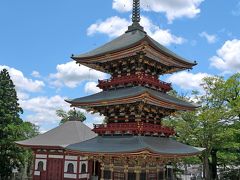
x,y
68,133
132,95
134,144
124,42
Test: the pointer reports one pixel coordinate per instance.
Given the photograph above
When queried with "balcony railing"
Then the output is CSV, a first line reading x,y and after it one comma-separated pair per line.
x,y
137,79
133,128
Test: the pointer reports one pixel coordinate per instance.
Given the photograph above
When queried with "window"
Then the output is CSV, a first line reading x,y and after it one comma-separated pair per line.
x,y
83,168
143,176
119,176
131,175
40,166
70,168
107,174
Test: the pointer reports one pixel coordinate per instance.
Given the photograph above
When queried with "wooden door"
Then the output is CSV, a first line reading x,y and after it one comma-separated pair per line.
x,y
43,175
55,169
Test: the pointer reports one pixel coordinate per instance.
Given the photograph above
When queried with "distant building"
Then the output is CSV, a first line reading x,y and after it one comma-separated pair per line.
x,y
52,161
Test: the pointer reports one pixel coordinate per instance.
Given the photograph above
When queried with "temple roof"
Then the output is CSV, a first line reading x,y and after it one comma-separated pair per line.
x,y
130,92
127,40
68,133
132,144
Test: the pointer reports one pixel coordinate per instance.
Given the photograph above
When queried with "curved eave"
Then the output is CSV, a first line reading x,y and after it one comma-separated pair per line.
x,y
168,52
19,143
134,145
145,151
92,60
141,97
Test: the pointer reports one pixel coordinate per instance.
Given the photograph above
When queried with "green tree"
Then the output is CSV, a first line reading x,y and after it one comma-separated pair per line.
x,y
70,115
215,125
9,125
27,130
12,128
223,95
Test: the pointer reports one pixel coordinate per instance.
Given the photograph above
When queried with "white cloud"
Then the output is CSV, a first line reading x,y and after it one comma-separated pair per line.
x,y
163,36
228,57
22,95
36,74
172,8
94,119
210,38
188,81
91,87
43,109
22,83
71,75
122,6
115,26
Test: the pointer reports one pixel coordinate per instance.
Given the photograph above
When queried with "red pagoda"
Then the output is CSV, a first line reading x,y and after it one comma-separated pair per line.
x,y
133,143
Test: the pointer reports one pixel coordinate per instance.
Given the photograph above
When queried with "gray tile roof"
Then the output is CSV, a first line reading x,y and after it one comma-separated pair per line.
x,y
126,40
129,92
123,144
123,41
61,136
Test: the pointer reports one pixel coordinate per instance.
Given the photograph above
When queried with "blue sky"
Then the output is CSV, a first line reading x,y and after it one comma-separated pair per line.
x,y
37,39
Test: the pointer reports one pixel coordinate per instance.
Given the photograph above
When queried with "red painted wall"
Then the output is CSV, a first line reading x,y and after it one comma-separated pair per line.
x,y
55,169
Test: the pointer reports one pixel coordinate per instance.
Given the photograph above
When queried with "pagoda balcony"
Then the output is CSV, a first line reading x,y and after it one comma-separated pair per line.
x,y
134,128
135,79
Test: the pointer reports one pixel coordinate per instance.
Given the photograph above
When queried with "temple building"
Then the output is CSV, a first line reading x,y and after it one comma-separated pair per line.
x,y
132,143
52,161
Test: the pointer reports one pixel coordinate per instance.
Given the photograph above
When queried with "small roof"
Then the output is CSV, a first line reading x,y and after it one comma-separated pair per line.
x,y
127,40
68,133
132,144
117,94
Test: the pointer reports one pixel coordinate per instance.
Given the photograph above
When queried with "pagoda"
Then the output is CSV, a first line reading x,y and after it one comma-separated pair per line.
x,y
133,143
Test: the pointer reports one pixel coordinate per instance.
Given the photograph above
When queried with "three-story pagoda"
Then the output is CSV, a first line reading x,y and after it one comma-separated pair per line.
x,y
133,143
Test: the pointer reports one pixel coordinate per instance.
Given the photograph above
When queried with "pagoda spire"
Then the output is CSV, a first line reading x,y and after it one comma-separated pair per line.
x,y
135,17
136,11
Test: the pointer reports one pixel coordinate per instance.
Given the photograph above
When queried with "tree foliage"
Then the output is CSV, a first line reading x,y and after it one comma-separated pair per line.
x,y
215,125
12,127
9,125
70,115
